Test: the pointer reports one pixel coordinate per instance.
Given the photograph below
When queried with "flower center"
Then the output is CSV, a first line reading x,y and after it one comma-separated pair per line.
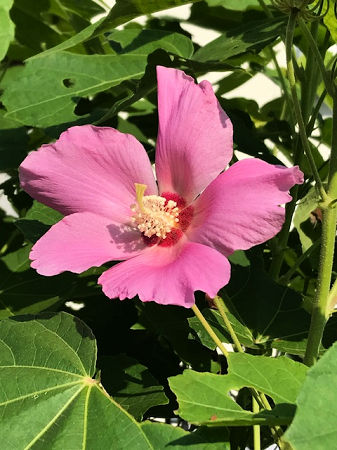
x,y
161,219
154,215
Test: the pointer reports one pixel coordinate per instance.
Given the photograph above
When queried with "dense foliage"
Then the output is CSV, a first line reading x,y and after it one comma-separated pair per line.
x,y
78,370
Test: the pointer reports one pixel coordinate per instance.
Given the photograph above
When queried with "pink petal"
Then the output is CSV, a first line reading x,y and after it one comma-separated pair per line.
x,y
83,240
240,208
88,169
195,135
169,275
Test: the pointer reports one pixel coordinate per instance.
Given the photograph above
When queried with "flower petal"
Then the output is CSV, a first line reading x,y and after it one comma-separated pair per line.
x,y
88,169
195,135
240,208
168,276
83,240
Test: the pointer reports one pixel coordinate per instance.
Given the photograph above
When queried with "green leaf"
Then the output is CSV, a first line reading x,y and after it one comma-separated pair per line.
x,y
123,11
85,8
37,221
314,425
131,385
270,311
170,324
6,27
281,378
43,214
49,88
23,290
164,436
14,140
330,20
216,322
141,41
47,391
234,4
33,33
242,39
204,398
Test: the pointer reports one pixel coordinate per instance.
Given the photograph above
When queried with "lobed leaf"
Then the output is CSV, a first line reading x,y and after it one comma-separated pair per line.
x,y
47,393
204,398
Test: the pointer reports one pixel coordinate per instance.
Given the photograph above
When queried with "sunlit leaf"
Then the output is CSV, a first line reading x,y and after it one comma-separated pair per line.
x,y
6,27
203,397
47,391
123,11
314,425
249,37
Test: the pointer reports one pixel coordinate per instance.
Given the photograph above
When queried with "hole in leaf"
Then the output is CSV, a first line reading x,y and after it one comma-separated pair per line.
x,y
68,82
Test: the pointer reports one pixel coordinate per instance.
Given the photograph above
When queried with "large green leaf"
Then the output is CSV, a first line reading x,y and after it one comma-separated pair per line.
x,y
49,88
281,378
123,11
314,425
245,38
47,392
6,27
203,397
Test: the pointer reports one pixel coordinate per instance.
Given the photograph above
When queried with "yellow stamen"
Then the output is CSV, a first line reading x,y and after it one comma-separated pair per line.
x,y
140,189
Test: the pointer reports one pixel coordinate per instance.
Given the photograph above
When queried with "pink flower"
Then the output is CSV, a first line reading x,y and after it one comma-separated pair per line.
x,y
172,241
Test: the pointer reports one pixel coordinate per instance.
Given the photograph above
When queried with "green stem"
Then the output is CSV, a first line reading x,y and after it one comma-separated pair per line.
x,y
297,109
256,428
320,311
209,329
220,305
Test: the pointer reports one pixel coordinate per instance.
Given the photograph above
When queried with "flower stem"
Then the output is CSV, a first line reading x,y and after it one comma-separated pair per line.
x,y
320,312
297,109
221,308
209,329
256,428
